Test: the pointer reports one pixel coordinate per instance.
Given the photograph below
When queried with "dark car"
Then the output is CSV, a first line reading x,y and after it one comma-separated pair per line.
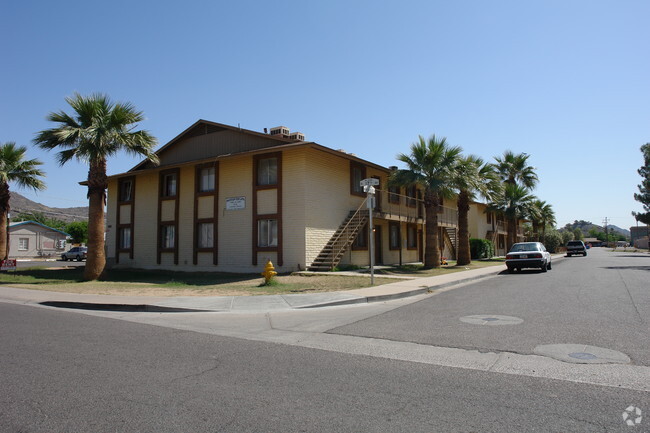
x,y
576,247
528,255
75,253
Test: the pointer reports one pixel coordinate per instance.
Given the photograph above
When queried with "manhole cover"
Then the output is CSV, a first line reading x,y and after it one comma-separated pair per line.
x,y
582,354
491,320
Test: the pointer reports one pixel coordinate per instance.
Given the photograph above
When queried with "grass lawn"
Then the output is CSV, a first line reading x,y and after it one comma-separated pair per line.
x,y
139,282
419,271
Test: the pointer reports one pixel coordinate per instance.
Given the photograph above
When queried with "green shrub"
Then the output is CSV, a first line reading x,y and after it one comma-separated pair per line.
x,y
553,241
481,249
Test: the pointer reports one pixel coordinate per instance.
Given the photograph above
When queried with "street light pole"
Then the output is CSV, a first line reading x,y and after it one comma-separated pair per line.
x,y
371,202
369,187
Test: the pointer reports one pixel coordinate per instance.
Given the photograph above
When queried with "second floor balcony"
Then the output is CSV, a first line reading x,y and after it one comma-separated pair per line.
x,y
399,207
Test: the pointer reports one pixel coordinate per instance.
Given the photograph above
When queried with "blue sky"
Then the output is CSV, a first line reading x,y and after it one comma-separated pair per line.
x,y
564,81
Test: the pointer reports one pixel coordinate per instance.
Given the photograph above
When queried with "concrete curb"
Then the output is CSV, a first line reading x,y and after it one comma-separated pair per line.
x,y
224,304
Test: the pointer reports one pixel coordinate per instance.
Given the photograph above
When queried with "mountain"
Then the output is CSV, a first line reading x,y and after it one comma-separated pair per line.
x,y
20,204
619,230
585,226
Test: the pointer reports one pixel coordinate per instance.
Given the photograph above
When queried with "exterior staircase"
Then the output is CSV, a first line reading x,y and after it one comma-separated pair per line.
x,y
451,240
341,241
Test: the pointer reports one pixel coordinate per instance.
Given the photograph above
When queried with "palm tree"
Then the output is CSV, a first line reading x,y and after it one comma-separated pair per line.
x,y
535,216
24,173
98,130
514,170
429,166
547,215
514,204
471,177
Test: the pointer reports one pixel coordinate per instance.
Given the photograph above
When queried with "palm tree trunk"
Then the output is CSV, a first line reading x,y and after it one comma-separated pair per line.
x,y
432,250
4,211
464,255
512,233
97,183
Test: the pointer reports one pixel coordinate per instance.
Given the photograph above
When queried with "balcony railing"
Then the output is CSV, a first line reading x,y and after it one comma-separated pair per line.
x,y
391,205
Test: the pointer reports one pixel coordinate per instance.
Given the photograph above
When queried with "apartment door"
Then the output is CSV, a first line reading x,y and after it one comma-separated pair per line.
x,y
379,257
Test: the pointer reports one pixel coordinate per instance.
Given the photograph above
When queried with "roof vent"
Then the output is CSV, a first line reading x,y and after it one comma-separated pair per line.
x,y
297,136
280,130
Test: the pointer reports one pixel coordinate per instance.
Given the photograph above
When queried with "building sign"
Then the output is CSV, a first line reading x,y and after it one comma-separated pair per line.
x,y
8,265
235,203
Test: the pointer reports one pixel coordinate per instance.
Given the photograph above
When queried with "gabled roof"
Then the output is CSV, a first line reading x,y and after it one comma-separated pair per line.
x,y
12,225
202,127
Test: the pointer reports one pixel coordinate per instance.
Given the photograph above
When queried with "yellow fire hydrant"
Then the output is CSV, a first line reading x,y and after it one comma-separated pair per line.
x,y
269,272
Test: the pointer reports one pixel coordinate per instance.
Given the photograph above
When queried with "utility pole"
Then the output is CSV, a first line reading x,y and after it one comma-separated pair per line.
x,y
606,233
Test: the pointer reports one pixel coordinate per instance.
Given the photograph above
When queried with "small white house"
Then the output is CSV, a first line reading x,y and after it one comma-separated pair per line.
x,y
32,239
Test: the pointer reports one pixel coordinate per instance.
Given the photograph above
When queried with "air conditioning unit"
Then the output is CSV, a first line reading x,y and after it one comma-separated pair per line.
x,y
280,130
297,136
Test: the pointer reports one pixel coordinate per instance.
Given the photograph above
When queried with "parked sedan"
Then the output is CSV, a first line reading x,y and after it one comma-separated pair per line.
x,y
528,255
75,253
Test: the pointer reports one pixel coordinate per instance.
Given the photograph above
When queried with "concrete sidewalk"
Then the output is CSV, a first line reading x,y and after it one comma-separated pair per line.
x,y
399,289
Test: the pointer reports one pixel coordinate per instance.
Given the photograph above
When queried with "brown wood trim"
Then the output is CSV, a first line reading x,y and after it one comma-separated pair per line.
x,y
353,165
131,224
215,209
277,216
399,231
413,227
411,196
174,223
394,194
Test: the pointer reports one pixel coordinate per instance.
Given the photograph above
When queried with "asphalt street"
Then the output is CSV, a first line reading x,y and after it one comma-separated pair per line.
x,y
66,372
419,364
600,300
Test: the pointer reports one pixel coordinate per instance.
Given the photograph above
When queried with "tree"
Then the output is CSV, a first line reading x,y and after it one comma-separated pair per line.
x,y
14,168
566,236
547,216
78,230
643,196
514,204
98,129
514,170
577,234
471,177
429,166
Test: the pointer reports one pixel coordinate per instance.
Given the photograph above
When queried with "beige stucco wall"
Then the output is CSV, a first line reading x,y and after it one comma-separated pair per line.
x,y
39,240
315,200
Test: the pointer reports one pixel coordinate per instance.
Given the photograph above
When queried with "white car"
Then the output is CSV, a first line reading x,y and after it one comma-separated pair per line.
x,y
528,255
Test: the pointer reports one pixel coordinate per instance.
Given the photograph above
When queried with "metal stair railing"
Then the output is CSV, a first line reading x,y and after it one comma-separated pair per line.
x,y
342,239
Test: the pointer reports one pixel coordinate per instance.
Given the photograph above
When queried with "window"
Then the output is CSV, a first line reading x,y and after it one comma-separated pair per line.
x,y
411,237
169,185
126,190
168,237
361,241
394,236
23,244
489,217
205,233
206,179
357,174
267,233
267,171
411,192
393,194
125,238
